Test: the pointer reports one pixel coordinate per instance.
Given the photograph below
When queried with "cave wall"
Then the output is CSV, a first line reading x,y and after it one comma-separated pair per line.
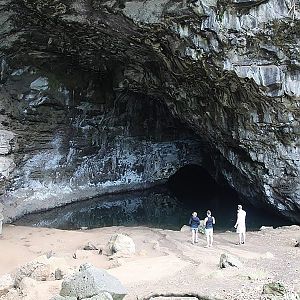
x,y
61,146
229,70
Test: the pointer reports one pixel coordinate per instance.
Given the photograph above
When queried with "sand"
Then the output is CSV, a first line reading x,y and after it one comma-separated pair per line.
x,y
165,261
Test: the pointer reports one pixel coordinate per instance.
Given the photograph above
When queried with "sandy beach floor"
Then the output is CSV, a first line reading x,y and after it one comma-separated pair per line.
x,y
165,261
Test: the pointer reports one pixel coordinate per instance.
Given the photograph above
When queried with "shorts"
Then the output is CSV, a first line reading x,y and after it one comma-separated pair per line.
x,y
195,229
241,229
209,231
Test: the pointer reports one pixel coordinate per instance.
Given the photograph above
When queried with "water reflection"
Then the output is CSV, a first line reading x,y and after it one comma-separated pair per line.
x,y
155,207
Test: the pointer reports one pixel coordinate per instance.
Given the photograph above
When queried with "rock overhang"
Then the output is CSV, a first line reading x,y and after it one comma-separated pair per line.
x,y
229,71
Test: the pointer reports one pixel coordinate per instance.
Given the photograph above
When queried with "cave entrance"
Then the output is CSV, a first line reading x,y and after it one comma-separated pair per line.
x,y
197,190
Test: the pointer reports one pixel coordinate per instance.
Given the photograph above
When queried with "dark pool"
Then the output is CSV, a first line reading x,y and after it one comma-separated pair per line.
x,y
155,207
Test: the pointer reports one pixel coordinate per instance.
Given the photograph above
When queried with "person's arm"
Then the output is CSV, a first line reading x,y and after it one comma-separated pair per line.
x,y
205,220
190,221
214,220
237,220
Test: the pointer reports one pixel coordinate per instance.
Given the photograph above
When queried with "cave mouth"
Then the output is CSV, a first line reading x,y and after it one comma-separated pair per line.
x,y
166,206
196,190
194,187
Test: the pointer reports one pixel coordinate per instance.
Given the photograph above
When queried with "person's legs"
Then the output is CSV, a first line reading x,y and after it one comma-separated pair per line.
x,y
193,235
196,235
211,237
243,237
207,239
240,238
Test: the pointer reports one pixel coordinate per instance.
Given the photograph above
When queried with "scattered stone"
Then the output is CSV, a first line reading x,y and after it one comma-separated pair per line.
x,y
262,228
35,270
12,294
90,246
102,296
26,285
277,291
89,282
227,260
58,297
40,84
185,228
43,268
121,244
254,274
6,283
49,254
58,274
83,228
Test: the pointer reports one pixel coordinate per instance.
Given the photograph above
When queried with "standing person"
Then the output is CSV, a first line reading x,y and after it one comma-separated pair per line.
x,y
209,221
240,225
1,218
194,223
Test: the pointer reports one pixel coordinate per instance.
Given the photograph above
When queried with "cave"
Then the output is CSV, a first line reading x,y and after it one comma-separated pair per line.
x,y
99,98
193,184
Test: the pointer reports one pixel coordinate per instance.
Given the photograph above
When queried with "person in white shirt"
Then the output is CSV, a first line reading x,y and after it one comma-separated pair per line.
x,y
240,225
1,218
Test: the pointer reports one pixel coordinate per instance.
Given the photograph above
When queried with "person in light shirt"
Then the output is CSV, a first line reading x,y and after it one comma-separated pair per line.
x,y
240,225
1,218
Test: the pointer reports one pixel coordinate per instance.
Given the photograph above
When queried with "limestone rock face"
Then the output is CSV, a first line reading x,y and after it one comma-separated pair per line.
x,y
78,79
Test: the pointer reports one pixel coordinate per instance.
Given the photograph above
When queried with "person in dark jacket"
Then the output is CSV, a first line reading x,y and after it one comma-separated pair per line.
x,y
209,221
194,223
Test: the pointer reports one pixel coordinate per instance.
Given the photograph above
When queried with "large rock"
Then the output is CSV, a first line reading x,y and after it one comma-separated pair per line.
x,y
35,270
43,268
121,244
277,291
228,260
91,282
6,283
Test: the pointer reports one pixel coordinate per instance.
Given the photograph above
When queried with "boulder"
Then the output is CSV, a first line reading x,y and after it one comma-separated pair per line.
x,y
227,260
121,244
26,285
58,274
262,228
185,228
35,269
6,283
90,282
90,246
44,268
277,291
12,294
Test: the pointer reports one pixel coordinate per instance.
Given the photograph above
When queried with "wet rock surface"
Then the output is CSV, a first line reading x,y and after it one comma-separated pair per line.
x,y
227,70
